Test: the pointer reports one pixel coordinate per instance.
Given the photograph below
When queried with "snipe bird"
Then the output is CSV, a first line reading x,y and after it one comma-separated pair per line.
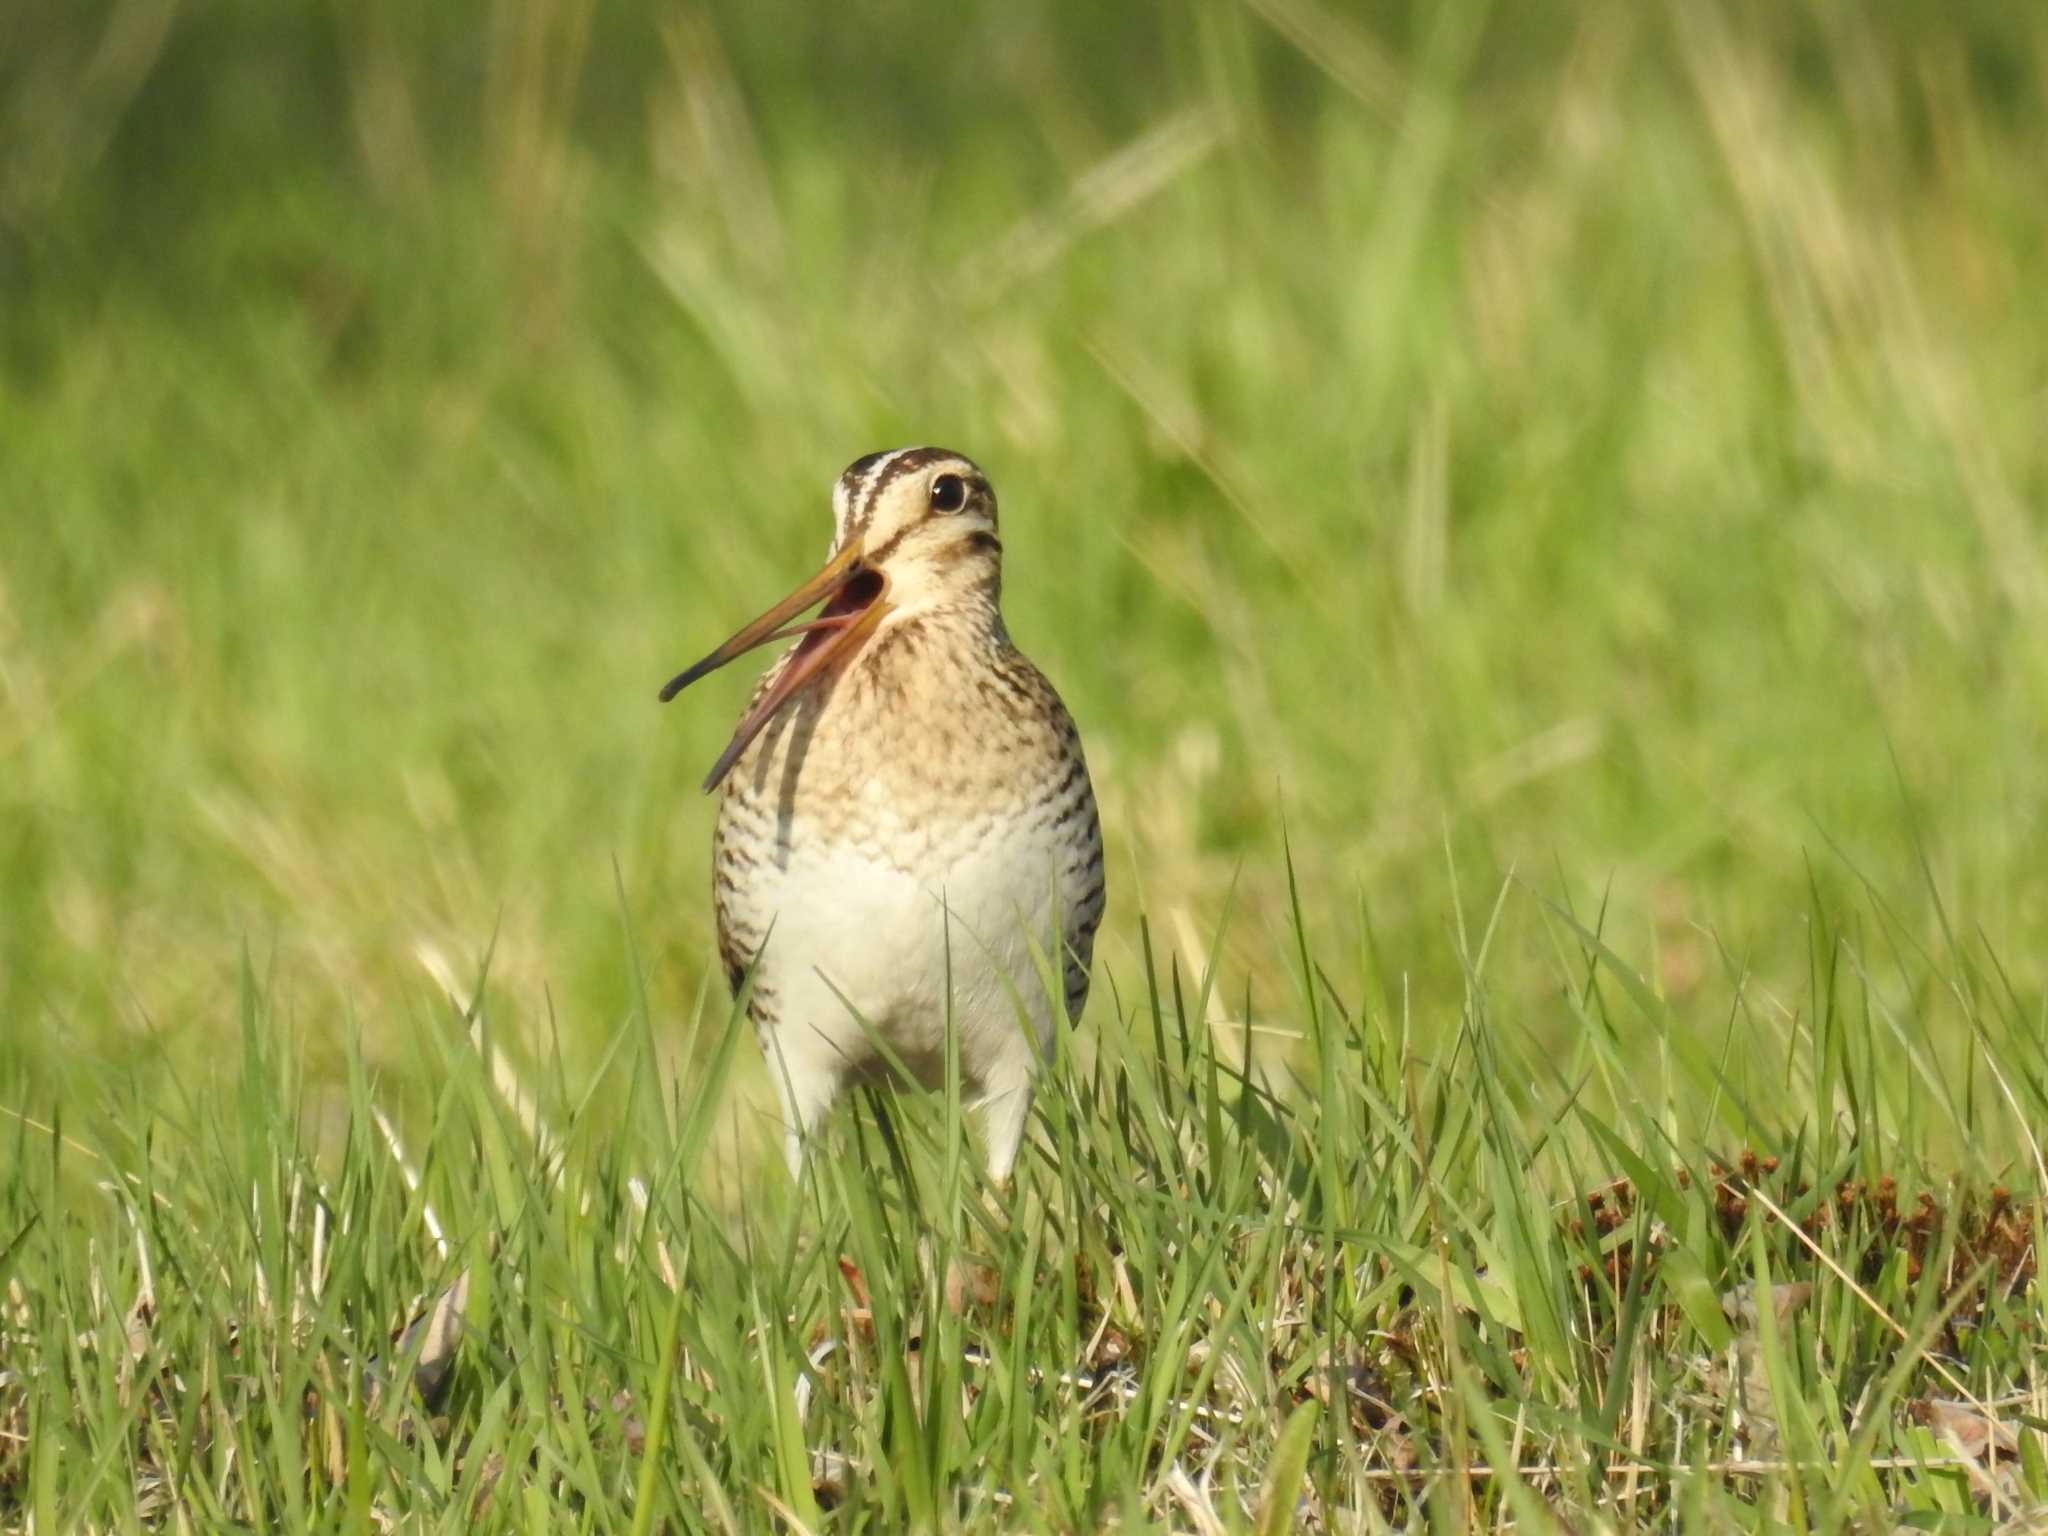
x,y
907,829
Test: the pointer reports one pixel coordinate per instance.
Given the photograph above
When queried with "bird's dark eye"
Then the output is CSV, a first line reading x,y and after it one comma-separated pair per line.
x,y
949,493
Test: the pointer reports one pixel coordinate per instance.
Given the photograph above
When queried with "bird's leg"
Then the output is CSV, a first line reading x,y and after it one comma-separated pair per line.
x,y
807,1088
1006,1107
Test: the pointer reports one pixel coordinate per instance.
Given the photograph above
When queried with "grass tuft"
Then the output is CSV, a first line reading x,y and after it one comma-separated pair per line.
x,y
1168,1319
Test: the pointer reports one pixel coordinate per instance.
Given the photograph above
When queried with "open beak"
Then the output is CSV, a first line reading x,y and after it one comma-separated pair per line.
x,y
853,599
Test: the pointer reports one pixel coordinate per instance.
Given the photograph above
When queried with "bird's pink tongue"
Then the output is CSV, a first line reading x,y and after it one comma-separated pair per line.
x,y
845,604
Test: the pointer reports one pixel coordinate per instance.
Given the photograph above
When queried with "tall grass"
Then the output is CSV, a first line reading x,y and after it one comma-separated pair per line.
x,y
1536,512
1480,1281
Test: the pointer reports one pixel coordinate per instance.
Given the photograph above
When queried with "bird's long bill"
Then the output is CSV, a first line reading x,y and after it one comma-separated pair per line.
x,y
826,639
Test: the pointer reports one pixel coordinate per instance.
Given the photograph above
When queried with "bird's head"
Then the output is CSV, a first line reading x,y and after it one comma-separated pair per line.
x,y
914,531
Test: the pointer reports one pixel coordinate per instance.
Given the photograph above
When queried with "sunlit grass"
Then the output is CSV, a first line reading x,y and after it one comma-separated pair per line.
x,y
1606,446
1534,510
1483,1281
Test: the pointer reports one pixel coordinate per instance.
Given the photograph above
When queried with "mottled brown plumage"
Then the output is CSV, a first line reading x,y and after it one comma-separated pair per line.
x,y
906,804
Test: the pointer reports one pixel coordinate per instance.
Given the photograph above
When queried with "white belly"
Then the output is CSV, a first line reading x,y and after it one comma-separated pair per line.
x,y
856,938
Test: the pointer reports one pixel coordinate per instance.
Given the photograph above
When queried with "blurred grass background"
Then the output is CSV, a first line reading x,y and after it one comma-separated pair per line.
x,y
1603,442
